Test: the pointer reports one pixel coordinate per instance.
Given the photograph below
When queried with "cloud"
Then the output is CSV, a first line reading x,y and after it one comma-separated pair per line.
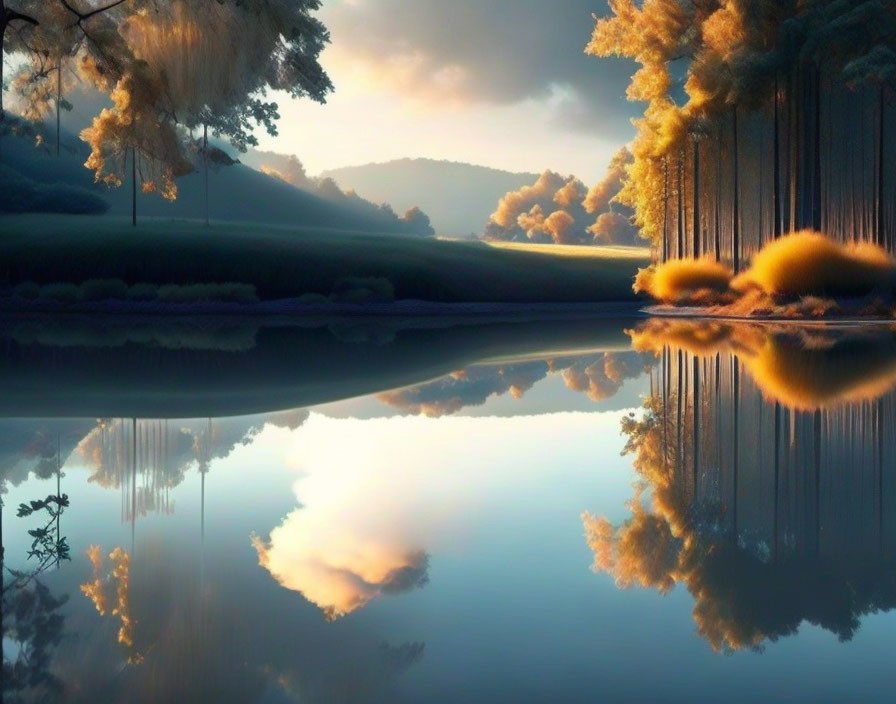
x,y
500,52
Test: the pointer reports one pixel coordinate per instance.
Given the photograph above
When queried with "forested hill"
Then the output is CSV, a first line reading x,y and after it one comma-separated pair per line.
x,y
236,193
458,197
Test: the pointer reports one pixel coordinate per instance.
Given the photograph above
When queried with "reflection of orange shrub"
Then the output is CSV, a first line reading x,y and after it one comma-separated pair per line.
x,y
808,263
685,281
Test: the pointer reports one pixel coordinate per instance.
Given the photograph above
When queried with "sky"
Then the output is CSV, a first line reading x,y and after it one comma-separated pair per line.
x,y
501,83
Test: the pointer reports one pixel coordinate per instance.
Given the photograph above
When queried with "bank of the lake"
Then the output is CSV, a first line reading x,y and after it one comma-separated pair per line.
x,y
289,263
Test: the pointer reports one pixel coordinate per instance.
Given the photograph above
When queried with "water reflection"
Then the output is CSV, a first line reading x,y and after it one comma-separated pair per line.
x,y
767,464
600,376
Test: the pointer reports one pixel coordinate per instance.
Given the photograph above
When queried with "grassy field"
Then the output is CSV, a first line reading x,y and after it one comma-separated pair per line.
x,y
291,262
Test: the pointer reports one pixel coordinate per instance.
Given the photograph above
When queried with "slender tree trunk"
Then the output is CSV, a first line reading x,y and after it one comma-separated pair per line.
x,y
205,166
777,185
4,23
58,106
680,250
881,144
736,208
665,209
697,243
133,187
816,162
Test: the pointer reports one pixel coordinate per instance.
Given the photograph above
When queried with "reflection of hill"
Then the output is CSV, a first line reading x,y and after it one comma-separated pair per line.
x,y
599,376
288,367
770,515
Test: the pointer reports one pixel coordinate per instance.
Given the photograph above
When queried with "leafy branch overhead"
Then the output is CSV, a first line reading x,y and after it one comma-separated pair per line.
x,y
170,67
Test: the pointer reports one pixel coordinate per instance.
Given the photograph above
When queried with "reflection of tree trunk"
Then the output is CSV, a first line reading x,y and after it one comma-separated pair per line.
x,y
736,443
817,429
58,493
679,420
133,484
777,472
696,428
880,476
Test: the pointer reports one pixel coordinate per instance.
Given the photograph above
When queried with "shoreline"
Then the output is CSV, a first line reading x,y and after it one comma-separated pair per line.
x,y
294,309
695,313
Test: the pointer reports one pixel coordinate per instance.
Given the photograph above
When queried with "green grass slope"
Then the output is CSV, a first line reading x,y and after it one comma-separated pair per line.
x,y
290,262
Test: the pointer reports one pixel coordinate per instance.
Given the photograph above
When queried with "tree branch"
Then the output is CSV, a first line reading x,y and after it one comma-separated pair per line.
x,y
12,15
87,15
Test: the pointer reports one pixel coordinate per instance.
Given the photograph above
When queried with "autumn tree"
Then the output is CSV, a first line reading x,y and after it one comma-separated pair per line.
x,y
169,68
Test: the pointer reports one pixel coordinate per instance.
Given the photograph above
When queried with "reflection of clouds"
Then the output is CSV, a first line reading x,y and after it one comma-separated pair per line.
x,y
338,573
377,496
599,376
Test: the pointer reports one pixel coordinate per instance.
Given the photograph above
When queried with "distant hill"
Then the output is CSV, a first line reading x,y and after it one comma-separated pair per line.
x,y
237,193
459,198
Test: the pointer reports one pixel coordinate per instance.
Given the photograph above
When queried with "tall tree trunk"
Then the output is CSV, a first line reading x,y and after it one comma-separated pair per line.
x,y
58,106
778,215
665,209
697,243
680,249
816,157
736,208
4,23
881,144
205,166
133,187
718,214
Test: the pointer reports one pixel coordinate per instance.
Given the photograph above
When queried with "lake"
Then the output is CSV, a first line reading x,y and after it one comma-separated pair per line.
x,y
447,510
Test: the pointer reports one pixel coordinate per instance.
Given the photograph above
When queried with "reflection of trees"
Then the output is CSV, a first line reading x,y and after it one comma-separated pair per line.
x,y
600,376
32,623
218,641
109,590
766,479
146,459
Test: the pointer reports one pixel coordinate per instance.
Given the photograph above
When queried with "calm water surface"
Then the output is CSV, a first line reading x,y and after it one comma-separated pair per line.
x,y
597,510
